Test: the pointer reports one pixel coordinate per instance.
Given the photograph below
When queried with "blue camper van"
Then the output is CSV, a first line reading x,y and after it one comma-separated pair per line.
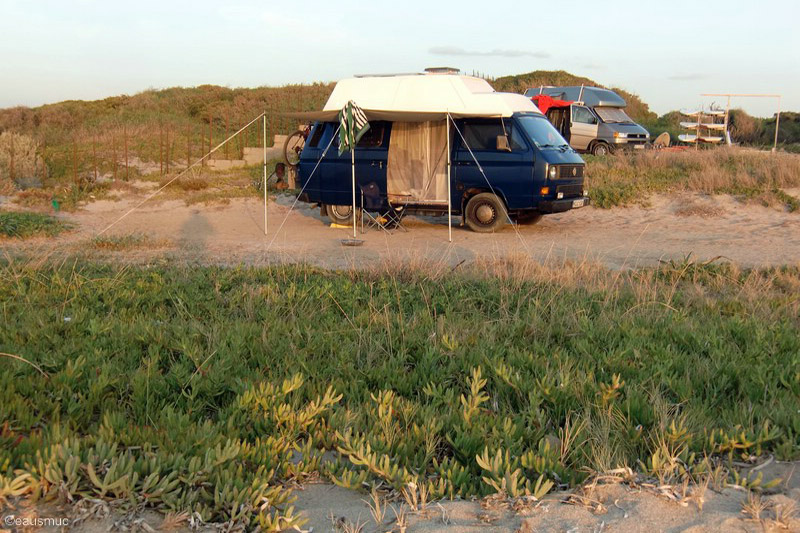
x,y
506,159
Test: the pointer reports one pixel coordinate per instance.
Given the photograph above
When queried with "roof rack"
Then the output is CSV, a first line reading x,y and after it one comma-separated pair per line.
x,y
429,70
388,75
442,70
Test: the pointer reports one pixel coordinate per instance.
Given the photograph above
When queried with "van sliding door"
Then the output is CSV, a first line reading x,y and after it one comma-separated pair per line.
x,y
370,166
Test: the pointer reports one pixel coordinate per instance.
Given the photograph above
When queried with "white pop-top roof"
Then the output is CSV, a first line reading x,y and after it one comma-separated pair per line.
x,y
426,97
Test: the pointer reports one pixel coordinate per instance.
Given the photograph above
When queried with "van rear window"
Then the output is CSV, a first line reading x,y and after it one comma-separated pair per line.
x,y
373,138
316,136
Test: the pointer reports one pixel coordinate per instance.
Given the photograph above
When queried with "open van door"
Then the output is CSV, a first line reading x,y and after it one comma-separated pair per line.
x,y
418,163
583,127
560,118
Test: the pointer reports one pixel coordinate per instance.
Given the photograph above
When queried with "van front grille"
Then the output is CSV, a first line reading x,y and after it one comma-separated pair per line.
x,y
570,191
570,171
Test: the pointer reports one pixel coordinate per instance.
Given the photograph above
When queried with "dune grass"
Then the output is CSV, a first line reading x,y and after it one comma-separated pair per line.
x,y
130,241
24,225
208,389
751,175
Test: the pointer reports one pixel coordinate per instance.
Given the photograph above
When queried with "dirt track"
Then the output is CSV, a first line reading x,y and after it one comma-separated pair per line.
x,y
669,228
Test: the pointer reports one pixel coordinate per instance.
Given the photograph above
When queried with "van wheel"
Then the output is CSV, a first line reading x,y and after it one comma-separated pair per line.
x,y
341,214
485,213
601,149
529,219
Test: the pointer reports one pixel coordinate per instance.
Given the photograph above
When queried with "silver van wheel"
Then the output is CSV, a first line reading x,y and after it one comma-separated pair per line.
x,y
341,214
600,149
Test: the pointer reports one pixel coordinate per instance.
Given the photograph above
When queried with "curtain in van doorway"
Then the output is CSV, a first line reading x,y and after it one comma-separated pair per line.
x,y
417,165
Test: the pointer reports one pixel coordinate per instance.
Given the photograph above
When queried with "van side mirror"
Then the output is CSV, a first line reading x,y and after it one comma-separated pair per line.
x,y
502,144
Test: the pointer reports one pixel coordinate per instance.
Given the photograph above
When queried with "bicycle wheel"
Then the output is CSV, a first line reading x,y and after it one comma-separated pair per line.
x,y
293,146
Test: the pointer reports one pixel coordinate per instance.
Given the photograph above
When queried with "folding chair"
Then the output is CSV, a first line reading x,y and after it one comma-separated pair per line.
x,y
375,214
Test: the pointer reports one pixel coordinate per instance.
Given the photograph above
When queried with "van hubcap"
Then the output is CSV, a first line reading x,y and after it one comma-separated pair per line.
x,y
343,211
485,214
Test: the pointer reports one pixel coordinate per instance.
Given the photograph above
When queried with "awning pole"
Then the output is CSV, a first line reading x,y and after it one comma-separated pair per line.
x,y
353,167
777,125
449,198
264,131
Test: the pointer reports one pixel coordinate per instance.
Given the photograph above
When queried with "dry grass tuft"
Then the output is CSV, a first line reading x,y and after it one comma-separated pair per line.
x,y
187,183
785,514
694,209
116,243
20,162
754,506
33,197
377,508
173,520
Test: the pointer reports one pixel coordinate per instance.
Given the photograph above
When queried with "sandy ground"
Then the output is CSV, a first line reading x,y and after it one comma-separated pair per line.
x,y
605,508
670,227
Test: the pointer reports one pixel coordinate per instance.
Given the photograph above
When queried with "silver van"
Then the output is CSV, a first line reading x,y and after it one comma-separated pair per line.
x,y
591,119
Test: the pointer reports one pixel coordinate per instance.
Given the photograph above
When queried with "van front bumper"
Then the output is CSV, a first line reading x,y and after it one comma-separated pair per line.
x,y
559,206
629,144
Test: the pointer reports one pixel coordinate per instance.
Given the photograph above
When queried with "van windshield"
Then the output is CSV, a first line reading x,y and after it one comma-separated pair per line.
x,y
613,114
541,132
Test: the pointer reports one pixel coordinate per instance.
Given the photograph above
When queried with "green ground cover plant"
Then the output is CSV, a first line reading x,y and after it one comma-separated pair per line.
x,y
211,390
23,225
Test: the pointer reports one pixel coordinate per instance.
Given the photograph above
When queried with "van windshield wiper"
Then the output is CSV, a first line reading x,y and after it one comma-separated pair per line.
x,y
553,145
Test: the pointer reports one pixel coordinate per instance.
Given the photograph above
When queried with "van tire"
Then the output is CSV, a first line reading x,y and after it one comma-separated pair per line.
x,y
341,214
485,213
529,219
601,148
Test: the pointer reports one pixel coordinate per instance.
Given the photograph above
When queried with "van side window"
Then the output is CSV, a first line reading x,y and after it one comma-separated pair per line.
x,y
373,137
582,115
483,135
313,142
515,138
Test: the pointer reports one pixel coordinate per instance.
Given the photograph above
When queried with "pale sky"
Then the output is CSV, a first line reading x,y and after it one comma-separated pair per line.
x,y
667,52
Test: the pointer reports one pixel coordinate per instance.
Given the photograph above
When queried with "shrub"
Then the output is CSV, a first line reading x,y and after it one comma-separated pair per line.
x,y
20,161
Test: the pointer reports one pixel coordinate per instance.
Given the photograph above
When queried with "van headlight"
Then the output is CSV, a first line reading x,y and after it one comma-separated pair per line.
x,y
620,135
552,173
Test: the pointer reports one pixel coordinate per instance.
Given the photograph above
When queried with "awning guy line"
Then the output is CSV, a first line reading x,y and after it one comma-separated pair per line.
x,y
220,145
297,198
516,230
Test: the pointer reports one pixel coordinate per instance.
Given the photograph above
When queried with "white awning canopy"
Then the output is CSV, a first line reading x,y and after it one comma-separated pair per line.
x,y
420,98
